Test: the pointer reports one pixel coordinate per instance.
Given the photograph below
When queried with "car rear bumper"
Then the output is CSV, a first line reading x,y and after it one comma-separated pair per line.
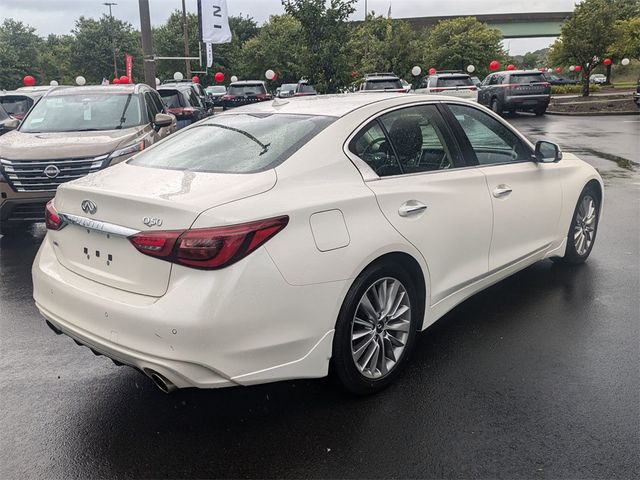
x,y
527,101
237,326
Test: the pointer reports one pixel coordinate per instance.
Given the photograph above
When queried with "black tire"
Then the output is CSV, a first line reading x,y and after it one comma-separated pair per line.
x,y
540,111
496,106
571,255
343,363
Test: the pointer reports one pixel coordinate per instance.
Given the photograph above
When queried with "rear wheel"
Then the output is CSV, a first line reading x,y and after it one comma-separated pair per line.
x,y
540,111
496,106
583,229
376,329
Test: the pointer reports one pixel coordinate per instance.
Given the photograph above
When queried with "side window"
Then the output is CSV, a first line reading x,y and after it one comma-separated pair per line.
x,y
418,139
372,146
157,102
152,109
491,141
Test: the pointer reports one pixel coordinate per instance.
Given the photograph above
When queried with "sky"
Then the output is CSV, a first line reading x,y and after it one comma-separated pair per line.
x,y
58,16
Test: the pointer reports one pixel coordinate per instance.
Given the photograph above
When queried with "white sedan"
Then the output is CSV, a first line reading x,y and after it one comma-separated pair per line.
x,y
273,241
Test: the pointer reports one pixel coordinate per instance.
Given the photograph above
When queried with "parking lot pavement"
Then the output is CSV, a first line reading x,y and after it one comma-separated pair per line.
x,y
536,377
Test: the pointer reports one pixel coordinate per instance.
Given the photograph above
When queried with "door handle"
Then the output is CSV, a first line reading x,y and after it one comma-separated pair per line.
x,y
412,207
502,191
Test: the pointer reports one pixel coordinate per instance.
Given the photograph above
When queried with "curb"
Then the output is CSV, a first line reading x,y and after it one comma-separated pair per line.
x,y
592,114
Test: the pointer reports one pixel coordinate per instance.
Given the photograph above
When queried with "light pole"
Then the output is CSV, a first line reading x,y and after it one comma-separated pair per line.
x,y
113,42
185,30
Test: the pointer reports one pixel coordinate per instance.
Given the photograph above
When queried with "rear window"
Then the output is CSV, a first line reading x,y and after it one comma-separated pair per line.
x,y
217,89
462,81
241,90
527,78
171,98
304,88
16,104
234,143
387,84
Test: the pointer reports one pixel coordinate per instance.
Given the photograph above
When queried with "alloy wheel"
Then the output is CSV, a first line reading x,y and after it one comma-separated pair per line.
x,y
380,328
585,225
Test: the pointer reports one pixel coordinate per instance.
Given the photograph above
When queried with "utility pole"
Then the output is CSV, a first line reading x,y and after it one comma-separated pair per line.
x,y
186,39
147,44
365,10
113,41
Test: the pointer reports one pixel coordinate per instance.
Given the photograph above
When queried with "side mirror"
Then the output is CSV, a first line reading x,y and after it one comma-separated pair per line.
x,y
162,120
547,152
11,124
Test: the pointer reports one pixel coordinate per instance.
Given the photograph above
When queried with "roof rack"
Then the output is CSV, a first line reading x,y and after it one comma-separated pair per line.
x,y
380,74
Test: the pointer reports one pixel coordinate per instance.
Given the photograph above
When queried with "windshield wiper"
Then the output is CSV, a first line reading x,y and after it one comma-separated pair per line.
x,y
265,147
123,118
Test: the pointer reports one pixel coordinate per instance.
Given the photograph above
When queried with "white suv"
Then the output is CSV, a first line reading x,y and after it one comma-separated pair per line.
x,y
453,84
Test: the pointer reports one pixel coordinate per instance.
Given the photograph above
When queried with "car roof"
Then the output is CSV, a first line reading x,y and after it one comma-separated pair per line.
x,y
450,74
332,105
175,86
131,88
34,95
239,83
529,72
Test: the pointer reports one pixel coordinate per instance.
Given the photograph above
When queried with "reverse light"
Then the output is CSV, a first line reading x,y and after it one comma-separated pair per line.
x,y
52,220
208,248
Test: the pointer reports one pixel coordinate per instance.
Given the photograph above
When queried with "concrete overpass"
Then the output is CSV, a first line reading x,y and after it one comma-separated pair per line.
x,y
512,25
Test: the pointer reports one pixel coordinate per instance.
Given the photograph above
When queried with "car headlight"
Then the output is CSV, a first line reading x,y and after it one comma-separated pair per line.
x,y
128,150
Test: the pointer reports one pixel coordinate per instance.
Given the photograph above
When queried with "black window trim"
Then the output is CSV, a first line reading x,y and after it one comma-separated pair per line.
x,y
469,154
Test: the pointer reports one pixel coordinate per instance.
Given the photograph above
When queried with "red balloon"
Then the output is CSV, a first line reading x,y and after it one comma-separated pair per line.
x,y
355,74
511,66
29,81
219,77
494,65
275,77
195,79
558,69
115,81
433,71
607,61
578,68
124,79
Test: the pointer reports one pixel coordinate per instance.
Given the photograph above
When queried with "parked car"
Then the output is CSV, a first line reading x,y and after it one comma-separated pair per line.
x,y
215,93
406,85
286,90
300,89
199,90
517,90
7,123
636,95
554,79
598,79
245,92
18,102
381,82
68,134
274,241
454,84
183,102
476,81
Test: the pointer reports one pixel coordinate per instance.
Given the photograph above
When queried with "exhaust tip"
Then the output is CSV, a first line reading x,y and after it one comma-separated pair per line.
x,y
162,383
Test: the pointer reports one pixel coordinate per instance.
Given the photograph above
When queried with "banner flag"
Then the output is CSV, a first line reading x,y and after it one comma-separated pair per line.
x,y
129,64
209,55
214,21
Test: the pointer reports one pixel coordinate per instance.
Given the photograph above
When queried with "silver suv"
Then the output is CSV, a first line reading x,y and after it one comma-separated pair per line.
x,y
69,133
516,90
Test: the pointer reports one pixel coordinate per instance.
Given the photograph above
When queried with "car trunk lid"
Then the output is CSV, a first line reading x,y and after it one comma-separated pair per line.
x,y
104,209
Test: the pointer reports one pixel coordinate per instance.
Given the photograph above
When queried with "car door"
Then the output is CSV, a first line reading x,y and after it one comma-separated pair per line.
x,y
442,209
526,195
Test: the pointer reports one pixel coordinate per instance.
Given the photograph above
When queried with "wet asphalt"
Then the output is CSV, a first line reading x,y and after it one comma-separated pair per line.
x,y
537,377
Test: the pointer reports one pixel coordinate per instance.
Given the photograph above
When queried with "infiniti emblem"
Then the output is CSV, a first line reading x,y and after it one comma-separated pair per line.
x,y
51,171
89,207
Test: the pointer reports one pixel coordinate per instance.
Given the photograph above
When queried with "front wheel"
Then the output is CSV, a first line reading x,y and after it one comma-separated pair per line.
x,y
496,107
376,328
583,229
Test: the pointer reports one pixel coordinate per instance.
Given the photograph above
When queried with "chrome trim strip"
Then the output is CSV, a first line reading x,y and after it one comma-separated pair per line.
x,y
97,225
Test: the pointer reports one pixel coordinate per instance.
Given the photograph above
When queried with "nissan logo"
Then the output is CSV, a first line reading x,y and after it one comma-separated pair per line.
x,y
89,207
51,171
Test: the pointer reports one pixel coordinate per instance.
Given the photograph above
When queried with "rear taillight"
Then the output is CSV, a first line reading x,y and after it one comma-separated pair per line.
x,y
183,112
264,96
228,97
208,248
51,217
473,89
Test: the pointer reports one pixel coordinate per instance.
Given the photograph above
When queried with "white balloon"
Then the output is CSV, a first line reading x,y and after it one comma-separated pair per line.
x,y
270,74
572,68
471,68
157,81
80,80
415,71
625,61
178,76
234,79
53,83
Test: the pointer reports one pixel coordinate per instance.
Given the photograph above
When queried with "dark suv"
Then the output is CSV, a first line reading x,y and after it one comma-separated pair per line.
x,y
381,82
517,90
245,93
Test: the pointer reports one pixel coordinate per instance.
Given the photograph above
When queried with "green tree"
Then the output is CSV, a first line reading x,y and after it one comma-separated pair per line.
x,y
454,44
325,34
626,38
381,44
56,59
93,49
19,48
279,46
586,37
